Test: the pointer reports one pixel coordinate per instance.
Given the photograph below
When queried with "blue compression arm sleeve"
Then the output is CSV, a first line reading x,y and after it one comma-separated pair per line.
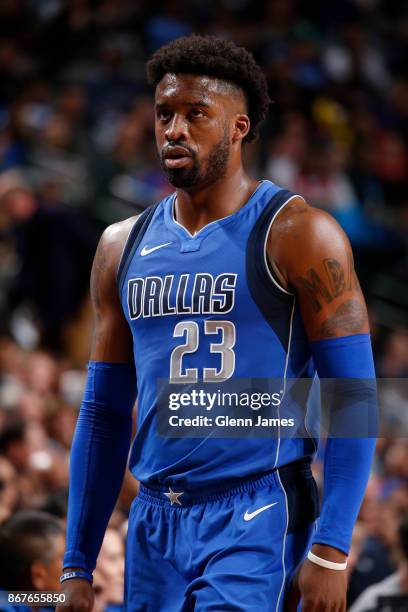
x,y
347,461
98,459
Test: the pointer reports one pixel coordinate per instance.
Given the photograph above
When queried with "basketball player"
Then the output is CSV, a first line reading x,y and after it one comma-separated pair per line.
x,y
229,277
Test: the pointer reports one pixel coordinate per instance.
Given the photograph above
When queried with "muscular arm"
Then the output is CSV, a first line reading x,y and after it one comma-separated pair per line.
x,y
102,436
111,340
313,259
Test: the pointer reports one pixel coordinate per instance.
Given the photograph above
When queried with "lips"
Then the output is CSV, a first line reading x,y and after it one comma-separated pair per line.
x,y
176,157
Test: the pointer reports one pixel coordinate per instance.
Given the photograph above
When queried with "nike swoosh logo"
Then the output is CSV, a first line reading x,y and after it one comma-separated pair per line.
x,y
146,251
248,516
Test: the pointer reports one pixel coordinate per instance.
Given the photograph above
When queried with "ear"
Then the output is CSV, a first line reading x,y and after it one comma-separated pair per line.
x,y
241,127
39,575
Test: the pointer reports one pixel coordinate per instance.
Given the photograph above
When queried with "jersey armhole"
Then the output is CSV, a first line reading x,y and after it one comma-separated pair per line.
x,y
133,240
273,300
276,209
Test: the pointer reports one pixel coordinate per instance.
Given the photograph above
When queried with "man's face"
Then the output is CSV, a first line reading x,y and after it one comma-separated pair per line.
x,y
45,576
109,572
8,489
193,119
55,567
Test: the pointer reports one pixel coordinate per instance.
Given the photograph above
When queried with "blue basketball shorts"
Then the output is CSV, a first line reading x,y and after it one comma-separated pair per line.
x,y
227,548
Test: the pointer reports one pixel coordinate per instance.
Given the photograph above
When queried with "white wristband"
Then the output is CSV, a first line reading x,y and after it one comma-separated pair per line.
x,y
324,563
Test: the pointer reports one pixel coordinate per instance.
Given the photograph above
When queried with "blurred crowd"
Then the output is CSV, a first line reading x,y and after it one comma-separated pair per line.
x,y
77,152
39,401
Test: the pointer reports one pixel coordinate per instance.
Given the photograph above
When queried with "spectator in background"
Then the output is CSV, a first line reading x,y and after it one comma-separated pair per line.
x,y
384,507
394,359
395,585
109,573
13,444
41,466
288,149
31,552
374,561
51,239
9,493
125,169
57,504
15,449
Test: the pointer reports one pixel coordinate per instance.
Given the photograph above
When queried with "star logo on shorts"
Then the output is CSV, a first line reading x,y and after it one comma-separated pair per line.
x,y
174,497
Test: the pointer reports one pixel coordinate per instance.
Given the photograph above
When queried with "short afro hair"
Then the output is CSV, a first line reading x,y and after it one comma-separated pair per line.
x,y
26,537
219,58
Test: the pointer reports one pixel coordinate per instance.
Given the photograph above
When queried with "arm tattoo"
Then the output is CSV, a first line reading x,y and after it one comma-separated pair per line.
x,y
350,317
335,273
324,291
316,289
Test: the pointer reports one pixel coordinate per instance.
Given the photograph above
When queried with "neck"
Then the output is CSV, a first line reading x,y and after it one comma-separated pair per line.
x,y
196,208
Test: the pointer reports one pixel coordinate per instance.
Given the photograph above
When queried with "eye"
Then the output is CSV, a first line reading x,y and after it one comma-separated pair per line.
x,y
162,114
196,113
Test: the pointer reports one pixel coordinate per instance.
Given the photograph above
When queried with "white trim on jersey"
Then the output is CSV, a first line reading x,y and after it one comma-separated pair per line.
x,y
273,279
284,376
190,235
284,542
305,418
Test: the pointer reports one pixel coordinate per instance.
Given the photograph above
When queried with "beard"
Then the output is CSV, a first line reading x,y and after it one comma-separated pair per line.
x,y
204,172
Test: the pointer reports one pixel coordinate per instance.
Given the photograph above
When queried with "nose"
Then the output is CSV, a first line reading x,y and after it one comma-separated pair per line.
x,y
176,129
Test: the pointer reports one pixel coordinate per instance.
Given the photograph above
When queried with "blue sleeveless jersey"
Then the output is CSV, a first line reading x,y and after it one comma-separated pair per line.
x,y
172,285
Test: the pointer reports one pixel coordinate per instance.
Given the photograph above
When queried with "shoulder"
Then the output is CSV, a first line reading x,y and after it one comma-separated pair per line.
x,y
302,234
300,222
113,240
108,255
115,236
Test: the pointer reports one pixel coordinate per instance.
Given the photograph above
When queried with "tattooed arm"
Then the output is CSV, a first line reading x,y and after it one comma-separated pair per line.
x,y
313,259
112,340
